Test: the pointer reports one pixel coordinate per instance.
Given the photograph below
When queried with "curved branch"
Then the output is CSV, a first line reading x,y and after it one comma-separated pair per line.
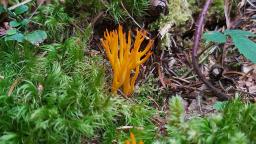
x,y
197,38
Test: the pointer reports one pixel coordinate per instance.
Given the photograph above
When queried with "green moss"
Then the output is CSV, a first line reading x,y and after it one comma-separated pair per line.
x,y
178,13
136,9
114,8
216,10
61,98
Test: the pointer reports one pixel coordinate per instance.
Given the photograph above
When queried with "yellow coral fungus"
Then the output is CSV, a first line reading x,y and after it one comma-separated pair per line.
x,y
124,58
133,140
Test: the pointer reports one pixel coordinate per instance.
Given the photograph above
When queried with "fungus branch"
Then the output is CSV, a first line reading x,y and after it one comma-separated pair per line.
x,y
124,59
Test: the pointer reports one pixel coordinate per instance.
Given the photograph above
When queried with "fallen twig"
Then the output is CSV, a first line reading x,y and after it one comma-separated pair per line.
x,y
19,4
129,127
130,15
161,76
227,10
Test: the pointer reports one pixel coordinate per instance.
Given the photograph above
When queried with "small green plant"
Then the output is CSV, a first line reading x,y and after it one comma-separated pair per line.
x,y
120,10
19,25
235,122
239,38
55,21
116,9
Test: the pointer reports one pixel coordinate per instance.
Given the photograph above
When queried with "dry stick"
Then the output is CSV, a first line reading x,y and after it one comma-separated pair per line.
x,y
161,75
227,13
251,3
19,4
98,16
129,127
130,15
197,38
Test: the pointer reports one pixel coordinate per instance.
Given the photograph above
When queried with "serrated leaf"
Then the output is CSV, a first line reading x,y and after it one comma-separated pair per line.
x,y
16,37
21,9
14,23
238,33
11,31
36,37
214,36
245,47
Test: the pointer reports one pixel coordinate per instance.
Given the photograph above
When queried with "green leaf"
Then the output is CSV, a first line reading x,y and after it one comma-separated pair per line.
x,y
214,36
8,136
238,33
245,47
36,37
14,23
11,31
16,37
21,9
40,113
25,22
2,9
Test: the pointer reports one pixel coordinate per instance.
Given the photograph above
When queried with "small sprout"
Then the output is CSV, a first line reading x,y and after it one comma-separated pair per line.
x,y
133,140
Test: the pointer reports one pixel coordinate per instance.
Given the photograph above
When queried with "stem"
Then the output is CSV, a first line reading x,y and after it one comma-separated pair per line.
x,y
197,38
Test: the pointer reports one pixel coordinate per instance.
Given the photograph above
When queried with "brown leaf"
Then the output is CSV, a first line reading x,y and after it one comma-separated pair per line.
x,y
4,3
158,6
4,28
39,2
14,84
2,31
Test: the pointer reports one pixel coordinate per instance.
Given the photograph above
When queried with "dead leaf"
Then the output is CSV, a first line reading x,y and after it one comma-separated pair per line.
x,y
15,83
4,3
2,31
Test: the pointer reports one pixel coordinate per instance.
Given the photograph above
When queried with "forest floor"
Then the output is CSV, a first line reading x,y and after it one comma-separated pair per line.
x,y
198,84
